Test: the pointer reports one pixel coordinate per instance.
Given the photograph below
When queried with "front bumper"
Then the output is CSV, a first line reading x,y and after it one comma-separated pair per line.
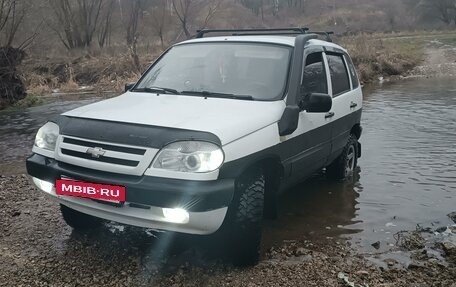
x,y
206,201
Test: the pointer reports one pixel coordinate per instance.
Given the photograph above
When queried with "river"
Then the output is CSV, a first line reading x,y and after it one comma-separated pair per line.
x,y
406,176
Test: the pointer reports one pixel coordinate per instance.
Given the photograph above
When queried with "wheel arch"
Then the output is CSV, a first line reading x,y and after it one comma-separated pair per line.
x,y
356,130
273,170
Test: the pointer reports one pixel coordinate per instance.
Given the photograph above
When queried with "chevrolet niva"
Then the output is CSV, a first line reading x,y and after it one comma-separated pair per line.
x,y
208,137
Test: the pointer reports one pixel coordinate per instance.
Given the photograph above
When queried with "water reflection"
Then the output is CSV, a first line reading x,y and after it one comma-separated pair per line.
x,y
315,208
408,172
18,128
409,157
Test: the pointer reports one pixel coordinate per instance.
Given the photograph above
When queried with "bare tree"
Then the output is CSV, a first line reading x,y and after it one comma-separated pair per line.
x,y
182,8
131,25
134,9
187,12
294,3
106,24
276,8
12,13
212,7
12,88
254,5
160,17
445,9
76,21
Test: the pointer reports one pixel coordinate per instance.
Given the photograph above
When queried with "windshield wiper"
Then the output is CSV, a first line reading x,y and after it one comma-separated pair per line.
x,y
218,95
156,90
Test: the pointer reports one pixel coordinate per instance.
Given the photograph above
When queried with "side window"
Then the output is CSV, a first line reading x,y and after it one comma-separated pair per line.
x,y
339,75
314,75
352,70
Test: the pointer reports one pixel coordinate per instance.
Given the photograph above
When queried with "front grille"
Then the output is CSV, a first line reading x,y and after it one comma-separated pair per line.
x,y
100,159
73,141
109,157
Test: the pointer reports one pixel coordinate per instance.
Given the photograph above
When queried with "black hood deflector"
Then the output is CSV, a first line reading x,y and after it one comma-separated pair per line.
x,y
128,133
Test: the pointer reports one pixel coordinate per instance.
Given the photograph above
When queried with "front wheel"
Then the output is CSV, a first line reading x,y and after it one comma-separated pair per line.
x,y
245,219
344,166
78,220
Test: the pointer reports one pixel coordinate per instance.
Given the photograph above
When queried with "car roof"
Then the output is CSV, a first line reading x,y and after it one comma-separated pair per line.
x,y
282,40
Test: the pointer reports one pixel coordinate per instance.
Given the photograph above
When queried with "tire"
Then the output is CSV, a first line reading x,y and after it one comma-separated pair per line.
x,y
245,220
78,220
344,166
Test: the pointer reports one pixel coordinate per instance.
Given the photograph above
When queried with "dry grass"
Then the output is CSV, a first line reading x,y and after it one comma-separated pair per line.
x,y
69,74
376,57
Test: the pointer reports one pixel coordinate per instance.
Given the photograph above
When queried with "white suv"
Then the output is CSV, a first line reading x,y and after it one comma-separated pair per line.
x,y
208,137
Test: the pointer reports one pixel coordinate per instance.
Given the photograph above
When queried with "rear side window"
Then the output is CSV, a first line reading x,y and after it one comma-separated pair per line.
x,y
314,75
339,74
351,69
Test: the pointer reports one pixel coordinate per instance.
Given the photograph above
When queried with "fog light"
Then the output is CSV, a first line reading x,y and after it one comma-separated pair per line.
x,y
43,185
176,215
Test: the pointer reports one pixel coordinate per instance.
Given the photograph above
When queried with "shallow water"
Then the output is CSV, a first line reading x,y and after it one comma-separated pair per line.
x,y
406,176
18,128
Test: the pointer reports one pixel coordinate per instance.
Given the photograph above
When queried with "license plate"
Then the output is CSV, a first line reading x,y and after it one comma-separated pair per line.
x,y
112,193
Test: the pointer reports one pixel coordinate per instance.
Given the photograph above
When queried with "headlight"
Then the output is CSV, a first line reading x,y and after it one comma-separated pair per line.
x,y
189,156
46,138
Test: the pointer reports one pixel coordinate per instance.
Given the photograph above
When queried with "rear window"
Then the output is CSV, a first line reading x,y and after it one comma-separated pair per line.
x,y
353,74
339,75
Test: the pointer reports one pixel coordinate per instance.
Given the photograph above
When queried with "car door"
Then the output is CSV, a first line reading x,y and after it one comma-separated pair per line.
x,y
312,139
344,101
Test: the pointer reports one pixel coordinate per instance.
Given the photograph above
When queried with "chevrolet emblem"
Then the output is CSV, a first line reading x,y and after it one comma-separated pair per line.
x,y
96,152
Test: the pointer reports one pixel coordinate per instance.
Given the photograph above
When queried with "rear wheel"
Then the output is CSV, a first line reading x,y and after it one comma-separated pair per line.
x,y
245,219
79,220
344,166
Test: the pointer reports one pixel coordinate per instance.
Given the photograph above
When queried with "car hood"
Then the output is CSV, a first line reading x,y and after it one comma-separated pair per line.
x,y
229,119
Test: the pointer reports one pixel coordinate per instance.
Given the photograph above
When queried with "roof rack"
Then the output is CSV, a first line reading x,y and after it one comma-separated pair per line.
x,y
327,35
265,31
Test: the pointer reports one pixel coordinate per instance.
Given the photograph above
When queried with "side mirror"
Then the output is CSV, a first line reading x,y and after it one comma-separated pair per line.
x,y
316,103
129,86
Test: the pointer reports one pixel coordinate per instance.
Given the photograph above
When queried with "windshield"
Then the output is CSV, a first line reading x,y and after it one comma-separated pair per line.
x,y
256,71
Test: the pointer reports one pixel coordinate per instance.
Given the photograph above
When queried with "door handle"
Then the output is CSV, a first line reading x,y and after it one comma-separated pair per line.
x,y
353,105
329,115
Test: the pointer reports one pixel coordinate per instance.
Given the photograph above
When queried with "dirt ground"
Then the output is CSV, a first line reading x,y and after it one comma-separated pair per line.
x,y
38,249
440,60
